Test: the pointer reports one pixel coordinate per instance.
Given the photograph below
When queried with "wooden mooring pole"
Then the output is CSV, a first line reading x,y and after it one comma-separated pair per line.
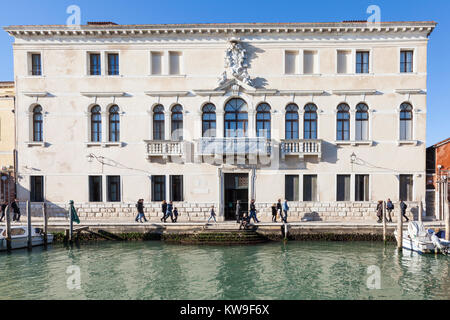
x,y
8,228
71,225
384,222
400,230
446,211
45,214
30,236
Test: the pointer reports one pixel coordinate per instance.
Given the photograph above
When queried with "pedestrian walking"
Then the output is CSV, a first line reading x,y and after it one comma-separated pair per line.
x,y
212,215
280,209
389,208
238,211
16,210
274,212
164,210
3,208
169,212
175,215
253,212
403,207
380,211
285,210
140,209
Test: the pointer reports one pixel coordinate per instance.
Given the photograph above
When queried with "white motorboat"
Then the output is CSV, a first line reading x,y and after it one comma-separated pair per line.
x,y
19,237
423,241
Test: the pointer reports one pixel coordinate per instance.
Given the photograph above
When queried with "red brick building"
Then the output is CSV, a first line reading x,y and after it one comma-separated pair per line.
x,y
438,173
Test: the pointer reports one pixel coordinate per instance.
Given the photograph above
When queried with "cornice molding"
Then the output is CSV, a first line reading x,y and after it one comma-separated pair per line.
x,y
425,27
167,93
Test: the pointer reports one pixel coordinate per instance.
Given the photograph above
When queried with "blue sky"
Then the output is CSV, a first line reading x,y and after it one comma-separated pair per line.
x,y
27,12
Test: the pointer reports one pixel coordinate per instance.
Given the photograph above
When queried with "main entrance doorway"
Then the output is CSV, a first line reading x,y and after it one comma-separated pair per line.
x,y
236,188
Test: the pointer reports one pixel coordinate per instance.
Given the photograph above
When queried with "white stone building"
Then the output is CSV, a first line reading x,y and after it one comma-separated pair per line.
x,y
331,116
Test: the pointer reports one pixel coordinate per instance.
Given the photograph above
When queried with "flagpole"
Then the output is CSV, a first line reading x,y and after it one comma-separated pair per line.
x,y
71,222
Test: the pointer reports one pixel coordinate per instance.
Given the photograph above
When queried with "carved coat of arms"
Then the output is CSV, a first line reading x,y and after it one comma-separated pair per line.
x,y
235,64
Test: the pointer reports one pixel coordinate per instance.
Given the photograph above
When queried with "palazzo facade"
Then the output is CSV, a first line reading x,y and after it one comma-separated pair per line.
x,y
330,116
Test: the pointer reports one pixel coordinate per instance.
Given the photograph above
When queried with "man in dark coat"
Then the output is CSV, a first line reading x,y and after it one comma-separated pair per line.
x,y
403,207
16,210
280,208
3,208
164,211
140,209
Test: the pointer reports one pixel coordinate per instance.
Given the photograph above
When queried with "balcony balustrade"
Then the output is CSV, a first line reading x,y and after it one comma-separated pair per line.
x,y
165,148
301,148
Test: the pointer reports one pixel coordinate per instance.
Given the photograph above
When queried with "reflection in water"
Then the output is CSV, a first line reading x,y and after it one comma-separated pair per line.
x,y
154,270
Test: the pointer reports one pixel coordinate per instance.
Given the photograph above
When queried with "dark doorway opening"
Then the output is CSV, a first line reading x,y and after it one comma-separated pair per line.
x,y
236,188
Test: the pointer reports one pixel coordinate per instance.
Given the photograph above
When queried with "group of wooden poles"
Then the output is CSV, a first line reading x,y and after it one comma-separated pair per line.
x,y
30,233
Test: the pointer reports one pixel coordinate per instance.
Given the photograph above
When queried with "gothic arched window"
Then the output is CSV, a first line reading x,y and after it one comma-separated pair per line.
x,y
310,122
96,124
236,118
114,124
37,124
263,121
209,120
343,122
158,122
292,122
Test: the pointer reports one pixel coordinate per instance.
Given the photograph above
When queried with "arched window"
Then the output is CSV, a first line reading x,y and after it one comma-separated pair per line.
x,y
96,124
209,120
114,124
236,118
343,122
362,122
158,123
37,124
177,123
292,122
263,121
406,118
310,122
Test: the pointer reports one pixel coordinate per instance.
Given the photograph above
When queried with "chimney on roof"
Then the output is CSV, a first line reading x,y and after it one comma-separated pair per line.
x,y
101,23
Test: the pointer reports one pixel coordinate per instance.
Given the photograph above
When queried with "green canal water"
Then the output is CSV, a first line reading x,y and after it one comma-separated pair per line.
x,y
154,270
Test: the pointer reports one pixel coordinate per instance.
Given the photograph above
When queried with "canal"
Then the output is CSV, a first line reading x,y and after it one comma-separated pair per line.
x,y
154,270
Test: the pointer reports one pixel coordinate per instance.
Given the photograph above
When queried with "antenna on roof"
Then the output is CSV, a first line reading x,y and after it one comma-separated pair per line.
x,y
101,23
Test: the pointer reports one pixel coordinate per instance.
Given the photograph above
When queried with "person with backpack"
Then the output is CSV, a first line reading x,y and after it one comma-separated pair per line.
x,y
389,209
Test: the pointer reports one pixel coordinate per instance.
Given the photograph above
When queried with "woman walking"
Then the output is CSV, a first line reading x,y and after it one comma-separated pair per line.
x,y
274,212
212,215
380,211
140,209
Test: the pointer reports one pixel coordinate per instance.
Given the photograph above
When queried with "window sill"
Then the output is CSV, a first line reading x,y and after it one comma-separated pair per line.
x,y
302,74
104,144
167,75
31,144
354,143
407,142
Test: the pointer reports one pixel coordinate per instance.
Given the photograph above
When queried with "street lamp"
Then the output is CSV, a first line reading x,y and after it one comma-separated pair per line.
x,y
353,158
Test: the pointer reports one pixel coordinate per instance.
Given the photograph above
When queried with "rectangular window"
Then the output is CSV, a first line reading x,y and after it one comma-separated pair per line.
x,y
362,62
156,63
310,62
175,62
113,187
406,61
36,65
37,189
310,188
94,64
291,62
113,64
292,188
361,187
95,189
176,188
344,61
343,188
158,188
406,187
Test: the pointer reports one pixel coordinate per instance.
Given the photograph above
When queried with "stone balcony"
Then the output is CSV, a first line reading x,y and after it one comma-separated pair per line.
x,y
234,146
164,148
301,148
